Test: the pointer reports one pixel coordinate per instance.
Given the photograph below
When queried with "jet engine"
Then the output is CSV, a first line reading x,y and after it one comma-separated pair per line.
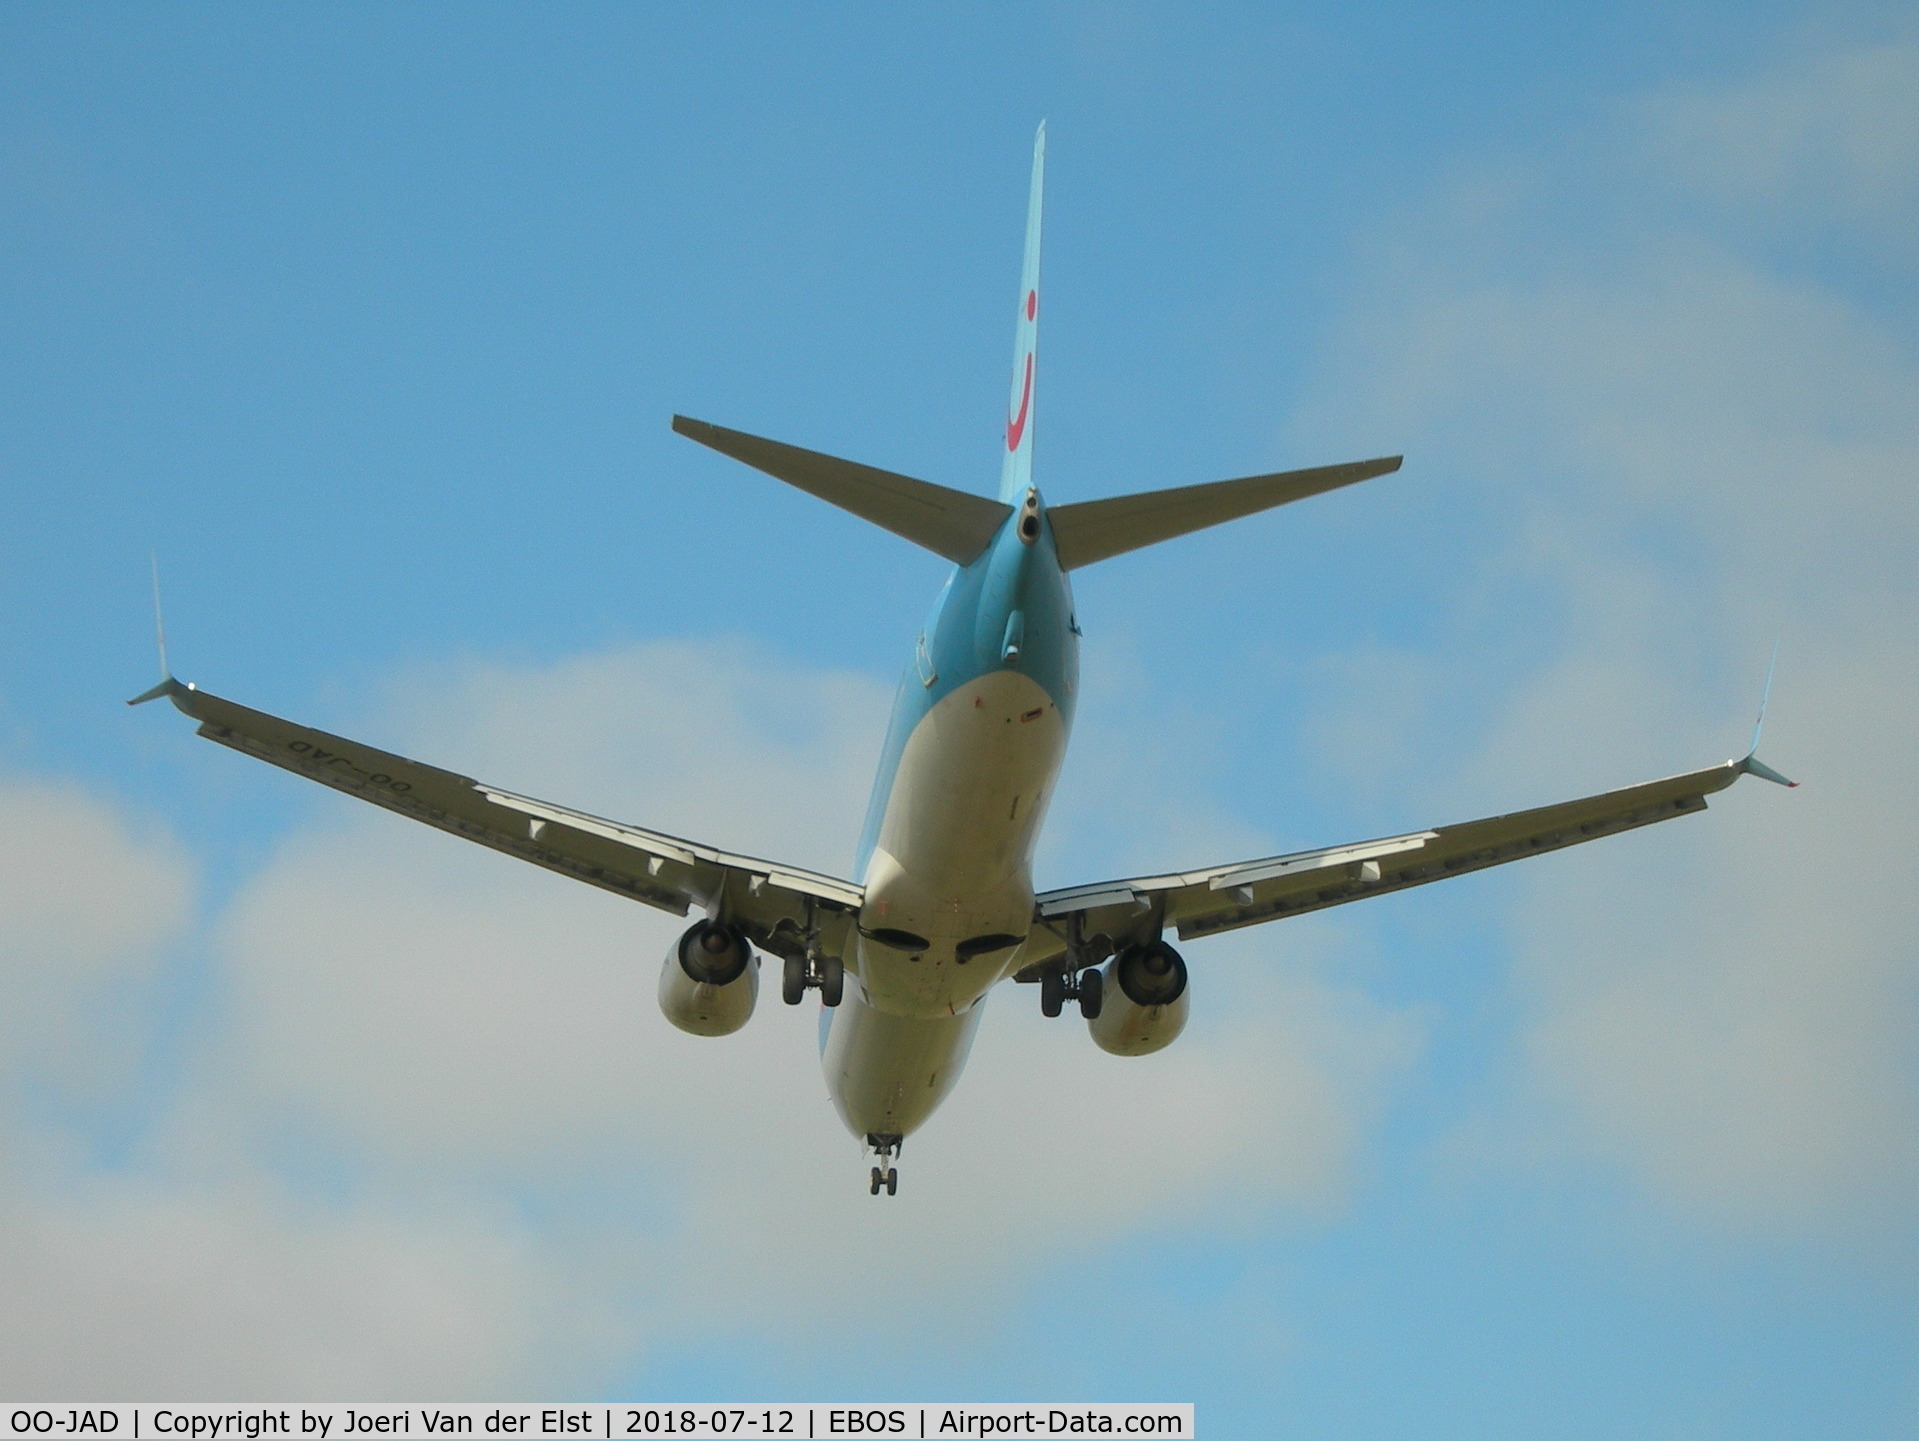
x,y
1145,1003
710,980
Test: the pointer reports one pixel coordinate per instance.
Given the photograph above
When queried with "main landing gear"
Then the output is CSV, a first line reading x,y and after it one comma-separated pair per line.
x,y
800,974
884,1176
809,969
1056,988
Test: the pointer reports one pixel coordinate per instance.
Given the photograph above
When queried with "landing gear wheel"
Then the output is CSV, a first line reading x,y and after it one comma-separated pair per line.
x,y
1092,994
832,980
1052,993
793,980
884,1148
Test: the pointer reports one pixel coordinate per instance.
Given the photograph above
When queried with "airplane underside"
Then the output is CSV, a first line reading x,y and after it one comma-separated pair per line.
x,y
949,898
945,908
949,889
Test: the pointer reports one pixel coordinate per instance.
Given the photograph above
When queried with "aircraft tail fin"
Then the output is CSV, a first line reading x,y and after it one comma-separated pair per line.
x,y
952,523
1094,530
1016,471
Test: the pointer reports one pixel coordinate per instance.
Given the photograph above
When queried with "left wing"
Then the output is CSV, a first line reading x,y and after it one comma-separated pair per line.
x,y
776,906
1224,898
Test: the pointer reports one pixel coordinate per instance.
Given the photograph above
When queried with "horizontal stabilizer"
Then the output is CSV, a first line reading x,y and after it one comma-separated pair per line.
x,y
1093,530
952,523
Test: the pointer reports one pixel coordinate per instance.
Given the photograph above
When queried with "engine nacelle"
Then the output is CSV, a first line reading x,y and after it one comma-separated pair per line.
x,y
1146,1001
710,981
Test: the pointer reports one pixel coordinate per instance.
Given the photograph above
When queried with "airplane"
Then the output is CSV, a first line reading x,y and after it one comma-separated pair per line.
x,y
944,908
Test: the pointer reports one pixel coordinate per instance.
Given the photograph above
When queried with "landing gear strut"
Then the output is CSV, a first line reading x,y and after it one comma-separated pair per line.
x,y
812,970
1056,988
800,974
885,1148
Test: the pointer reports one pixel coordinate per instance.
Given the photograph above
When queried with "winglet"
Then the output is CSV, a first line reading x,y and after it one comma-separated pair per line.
x,y
168,685
159,623
1752,765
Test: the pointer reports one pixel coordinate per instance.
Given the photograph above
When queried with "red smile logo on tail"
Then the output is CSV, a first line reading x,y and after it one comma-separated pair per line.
x,y
1016,427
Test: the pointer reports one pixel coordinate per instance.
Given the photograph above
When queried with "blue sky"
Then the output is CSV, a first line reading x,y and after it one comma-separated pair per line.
x,y
370,321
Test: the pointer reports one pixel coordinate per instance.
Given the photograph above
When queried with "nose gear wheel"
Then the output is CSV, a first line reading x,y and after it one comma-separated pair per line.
x,y
884,1176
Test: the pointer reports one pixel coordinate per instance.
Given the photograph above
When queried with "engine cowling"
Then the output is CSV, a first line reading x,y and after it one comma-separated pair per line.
x,y
710,980
1146,1001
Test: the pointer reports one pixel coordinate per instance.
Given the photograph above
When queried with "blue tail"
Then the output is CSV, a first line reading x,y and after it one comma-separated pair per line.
x,y
1016,473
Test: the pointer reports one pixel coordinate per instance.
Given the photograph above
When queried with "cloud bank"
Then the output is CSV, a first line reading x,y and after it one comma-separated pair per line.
x,y
1694,441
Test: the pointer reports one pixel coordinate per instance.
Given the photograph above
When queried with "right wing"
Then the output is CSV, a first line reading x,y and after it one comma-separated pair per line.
x,y
775,905
1225,898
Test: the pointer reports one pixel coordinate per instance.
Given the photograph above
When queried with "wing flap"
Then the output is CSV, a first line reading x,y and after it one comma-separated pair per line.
x,y
539,814
1082,899
1247,876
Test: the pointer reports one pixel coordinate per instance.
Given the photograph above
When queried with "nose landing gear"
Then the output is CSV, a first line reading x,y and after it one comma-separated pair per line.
x,y
884,1175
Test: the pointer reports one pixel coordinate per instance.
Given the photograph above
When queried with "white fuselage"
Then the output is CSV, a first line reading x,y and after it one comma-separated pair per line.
x,y
979,730
950,864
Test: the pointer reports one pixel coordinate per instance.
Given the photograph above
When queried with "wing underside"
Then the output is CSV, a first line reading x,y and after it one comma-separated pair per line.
x,y
777,906
1225,898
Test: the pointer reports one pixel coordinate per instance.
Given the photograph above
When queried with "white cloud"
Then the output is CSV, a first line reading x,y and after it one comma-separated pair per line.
x,y
129,1290
1831,137
1731,1007
184,1275
61,846
1699,451
86,904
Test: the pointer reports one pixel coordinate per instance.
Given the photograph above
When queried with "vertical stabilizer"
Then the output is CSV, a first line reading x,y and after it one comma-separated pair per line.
x,y
1016,473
